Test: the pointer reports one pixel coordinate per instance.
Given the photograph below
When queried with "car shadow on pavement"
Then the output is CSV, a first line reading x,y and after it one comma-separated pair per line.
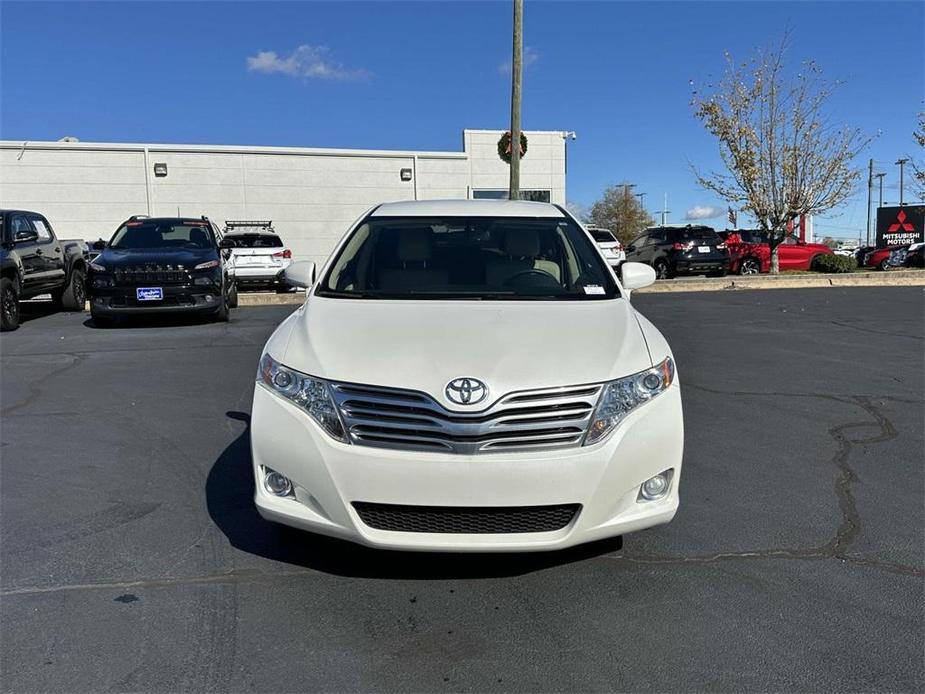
x,y
166,320
229,498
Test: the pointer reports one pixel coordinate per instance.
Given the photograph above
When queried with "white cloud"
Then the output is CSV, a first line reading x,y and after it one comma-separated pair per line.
x,y
703,212
309,62
530,56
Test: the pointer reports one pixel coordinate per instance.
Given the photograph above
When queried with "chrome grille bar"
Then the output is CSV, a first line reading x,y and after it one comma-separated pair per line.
x,y
410,420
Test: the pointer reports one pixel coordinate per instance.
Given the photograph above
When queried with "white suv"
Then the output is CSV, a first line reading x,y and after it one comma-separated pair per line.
x,y
611,248
467,375
259,254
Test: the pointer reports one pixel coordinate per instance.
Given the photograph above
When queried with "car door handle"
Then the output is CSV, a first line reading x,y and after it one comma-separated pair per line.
x,y
57,250
38,251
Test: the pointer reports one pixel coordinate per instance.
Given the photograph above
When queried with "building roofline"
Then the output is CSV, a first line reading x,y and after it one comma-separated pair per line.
x,y
26,145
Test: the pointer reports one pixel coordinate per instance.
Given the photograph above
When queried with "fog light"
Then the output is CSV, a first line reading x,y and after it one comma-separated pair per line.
x,y
655,487
277,484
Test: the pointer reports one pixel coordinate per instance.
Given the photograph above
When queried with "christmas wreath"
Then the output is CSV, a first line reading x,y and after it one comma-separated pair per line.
x,y
504,146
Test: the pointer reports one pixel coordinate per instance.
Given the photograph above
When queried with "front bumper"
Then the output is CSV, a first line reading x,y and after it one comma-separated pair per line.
x,y
187,298
604,479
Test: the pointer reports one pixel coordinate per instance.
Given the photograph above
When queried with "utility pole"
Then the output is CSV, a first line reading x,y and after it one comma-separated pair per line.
x,y
642,200
665,211
516,83
902,163
870,188
880,177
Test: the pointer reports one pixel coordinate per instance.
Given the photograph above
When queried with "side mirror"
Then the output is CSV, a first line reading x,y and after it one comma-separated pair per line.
x,y
630,248
99,245
636,275
300,274
225,244
26,236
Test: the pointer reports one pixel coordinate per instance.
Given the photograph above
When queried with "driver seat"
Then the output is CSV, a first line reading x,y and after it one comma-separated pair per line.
x,y
521,248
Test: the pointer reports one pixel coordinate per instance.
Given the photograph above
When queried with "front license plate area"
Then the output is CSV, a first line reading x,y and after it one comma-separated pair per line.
x,y
149,294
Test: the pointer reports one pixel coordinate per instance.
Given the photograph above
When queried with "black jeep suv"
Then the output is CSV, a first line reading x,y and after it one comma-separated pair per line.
x,y
695,250
162,264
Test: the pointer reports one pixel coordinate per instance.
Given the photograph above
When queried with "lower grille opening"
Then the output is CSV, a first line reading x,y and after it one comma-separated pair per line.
x,y
466,519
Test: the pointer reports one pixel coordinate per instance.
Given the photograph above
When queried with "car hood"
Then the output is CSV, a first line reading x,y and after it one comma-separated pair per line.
x,y
113,257
422,345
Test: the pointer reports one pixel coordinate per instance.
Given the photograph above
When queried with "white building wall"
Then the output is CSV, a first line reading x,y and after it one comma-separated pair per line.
x,y
312,195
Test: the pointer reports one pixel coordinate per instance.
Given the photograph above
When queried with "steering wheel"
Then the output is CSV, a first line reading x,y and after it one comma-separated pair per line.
x,y
535,272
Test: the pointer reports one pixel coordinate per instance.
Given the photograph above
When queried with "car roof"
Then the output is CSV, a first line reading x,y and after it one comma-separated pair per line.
x,y
467,208
196,220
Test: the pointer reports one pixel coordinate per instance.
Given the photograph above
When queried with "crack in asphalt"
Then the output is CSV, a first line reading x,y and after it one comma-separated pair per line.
x,y
36,386
850,525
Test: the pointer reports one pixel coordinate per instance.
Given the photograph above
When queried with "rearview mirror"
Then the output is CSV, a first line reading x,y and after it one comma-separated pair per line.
x,y
300,274
636,275
26,236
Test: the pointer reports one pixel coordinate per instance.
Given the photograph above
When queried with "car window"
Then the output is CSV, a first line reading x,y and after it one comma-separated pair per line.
x,y
19,223
656,236
639,241
602,236
468,257
253,241
696,234
41,228
158,234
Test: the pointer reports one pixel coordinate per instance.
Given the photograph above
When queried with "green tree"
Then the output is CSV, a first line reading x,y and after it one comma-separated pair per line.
x,y
620,211
783,154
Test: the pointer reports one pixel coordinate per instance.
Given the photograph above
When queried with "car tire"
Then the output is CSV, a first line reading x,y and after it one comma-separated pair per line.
x,y
9,305
749,266
233,297
223,315
74,296
884,264
284,289
662,271
814,263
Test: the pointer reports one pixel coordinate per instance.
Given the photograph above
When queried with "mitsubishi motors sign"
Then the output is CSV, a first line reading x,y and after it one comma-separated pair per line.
x,y
897,226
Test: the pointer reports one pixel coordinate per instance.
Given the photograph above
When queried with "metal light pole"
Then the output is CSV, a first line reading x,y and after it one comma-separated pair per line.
x,y
901,162
880,177
516,83
665,210
870,188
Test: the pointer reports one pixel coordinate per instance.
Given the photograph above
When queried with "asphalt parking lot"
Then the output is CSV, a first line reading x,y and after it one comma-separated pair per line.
x,y
132,558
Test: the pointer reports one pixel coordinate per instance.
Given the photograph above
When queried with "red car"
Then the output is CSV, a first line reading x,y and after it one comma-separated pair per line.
x,y
750,254
886,258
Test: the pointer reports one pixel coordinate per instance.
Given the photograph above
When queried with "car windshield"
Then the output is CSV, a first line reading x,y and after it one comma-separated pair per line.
x,y
160,234
468,258
253,241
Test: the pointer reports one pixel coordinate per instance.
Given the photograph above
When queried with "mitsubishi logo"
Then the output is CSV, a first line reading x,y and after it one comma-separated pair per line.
x,y
466,391
901,224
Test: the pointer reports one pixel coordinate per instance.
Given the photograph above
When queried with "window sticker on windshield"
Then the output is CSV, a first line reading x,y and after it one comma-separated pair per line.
x,y
593,289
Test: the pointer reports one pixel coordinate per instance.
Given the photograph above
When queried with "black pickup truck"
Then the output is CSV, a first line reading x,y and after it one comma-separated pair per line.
x,y
34,261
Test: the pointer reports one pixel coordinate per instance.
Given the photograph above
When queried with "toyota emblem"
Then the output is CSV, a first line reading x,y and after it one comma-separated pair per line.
x,y
466,391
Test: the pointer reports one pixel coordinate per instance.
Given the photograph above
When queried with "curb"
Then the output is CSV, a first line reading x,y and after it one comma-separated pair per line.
x,y
893,278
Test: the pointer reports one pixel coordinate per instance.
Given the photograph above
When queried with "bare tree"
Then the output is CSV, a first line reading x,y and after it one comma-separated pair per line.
x,y
917,170
620,211
784,155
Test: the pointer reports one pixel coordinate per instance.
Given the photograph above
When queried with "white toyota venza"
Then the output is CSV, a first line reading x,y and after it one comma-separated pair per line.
x,y
467,375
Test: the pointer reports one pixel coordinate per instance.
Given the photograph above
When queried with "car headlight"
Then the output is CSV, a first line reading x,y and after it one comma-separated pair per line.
x,y
208,265
624,395
311,394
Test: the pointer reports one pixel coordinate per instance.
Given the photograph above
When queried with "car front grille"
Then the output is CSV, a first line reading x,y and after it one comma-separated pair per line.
x,y
410,420
466,519
142,274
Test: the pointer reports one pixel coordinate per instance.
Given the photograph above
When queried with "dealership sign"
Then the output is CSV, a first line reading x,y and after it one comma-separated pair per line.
x,y
897,226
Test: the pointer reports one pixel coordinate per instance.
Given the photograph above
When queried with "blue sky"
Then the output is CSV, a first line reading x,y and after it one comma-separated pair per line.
x,y
413,75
